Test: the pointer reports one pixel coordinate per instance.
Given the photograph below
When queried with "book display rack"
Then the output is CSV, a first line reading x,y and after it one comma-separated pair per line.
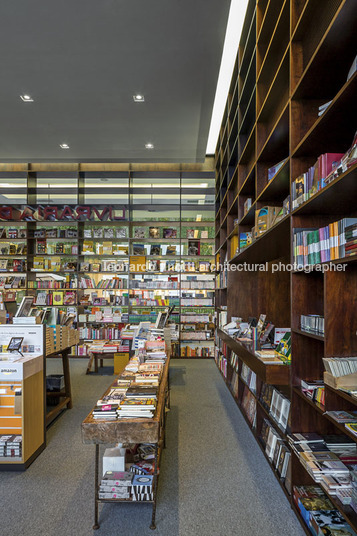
x,y
112,243
286,219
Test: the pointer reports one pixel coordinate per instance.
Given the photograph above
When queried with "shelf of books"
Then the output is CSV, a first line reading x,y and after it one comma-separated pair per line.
x,y
112,244
285,236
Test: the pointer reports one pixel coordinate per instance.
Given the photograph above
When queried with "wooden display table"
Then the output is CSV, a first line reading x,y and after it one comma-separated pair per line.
x,y
129,431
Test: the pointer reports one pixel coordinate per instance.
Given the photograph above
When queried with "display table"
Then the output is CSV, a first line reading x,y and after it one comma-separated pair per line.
x,y
22,409
129,431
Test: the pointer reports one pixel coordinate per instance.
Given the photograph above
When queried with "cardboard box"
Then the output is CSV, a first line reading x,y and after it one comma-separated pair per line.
x,y
349,381
114,459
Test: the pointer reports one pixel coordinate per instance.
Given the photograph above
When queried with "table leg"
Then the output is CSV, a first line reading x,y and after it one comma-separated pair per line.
x,y
96,483
96,363
153,525
67,378
90,362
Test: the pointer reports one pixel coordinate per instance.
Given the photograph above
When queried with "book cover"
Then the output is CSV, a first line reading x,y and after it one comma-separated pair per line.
x,y
154,232
139,232
155,249
169,233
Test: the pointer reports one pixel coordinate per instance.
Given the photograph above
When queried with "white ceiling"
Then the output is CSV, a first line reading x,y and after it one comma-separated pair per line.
x,y
82,60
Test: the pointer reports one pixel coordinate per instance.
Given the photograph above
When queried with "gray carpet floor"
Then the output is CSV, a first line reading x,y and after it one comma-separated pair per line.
x,y
214,479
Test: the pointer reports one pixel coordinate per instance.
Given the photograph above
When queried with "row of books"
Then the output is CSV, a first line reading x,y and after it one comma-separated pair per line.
x,y
249,406
13,232
312,324
52,284
247,375
221,362
87,333
334,241
190,318
313,180
13,265
198,351
314,389
105,232
55,232
103,248
198,285
57,297
9,248
13,282
194,336
10,446
276,450
112,283
169,232
194,247
277,404
340,366
318,512
148,284
195,302
328,167
56,248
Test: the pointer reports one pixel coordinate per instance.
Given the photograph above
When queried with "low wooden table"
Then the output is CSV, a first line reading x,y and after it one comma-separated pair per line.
x,y
129,431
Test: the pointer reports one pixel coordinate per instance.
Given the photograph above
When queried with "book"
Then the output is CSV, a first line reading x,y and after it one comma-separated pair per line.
x,y
169,233
155,249
193,247
154,232
171,250
139,249
139,232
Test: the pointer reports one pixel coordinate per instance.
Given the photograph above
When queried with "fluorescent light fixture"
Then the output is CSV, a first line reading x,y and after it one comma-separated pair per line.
x,y
149,145
230,49
204,184
26,98
64,145
139,98
4,184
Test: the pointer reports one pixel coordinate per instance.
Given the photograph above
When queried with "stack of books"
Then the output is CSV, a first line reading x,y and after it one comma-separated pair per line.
x,y
142,488
116,485
105,411
11,446
314,389
133,408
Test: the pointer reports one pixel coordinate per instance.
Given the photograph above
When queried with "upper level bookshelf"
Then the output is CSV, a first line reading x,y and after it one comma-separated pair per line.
x,y
115,242
288,145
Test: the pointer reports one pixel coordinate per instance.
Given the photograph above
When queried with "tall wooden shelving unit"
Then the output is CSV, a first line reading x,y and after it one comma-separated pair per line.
x,y
179,196
294,55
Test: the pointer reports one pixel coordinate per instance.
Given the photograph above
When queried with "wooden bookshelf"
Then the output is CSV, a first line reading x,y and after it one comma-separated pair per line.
x,y
293,57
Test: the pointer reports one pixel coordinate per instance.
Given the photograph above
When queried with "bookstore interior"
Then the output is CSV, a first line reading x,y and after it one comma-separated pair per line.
x,y
237,262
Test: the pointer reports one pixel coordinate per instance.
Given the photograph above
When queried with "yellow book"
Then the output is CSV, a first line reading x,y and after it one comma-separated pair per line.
x,y
234,245
57,297
107,248
138,263
88,246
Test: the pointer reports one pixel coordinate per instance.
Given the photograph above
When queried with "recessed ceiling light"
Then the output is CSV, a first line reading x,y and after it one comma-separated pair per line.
x,y
26,98
139,98
149,146
64,145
